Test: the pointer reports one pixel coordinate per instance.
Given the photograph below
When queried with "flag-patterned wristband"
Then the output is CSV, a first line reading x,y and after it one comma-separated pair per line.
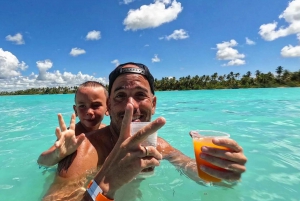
x,y
96,192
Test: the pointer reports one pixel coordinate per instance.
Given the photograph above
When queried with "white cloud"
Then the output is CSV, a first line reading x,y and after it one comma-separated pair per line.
x,y
155,59
17,39
226,52
291,15
177,35
290,51
235,62
128,1
54,79
10,65
93,35
249,42
116,62
12,80
153,15
43,66
77,51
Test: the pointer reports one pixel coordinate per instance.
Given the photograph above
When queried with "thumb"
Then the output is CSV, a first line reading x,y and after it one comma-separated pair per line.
x,y
80,139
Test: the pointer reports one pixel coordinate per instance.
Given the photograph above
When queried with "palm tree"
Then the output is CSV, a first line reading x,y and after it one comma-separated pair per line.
x,y
248,74
279,71
286,76
257,73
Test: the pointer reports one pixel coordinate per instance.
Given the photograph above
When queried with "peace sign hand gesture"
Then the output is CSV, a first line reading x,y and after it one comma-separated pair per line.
x,y
128,158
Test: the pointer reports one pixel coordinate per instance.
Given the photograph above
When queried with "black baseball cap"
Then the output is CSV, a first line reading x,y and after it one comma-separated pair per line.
x,y
141,69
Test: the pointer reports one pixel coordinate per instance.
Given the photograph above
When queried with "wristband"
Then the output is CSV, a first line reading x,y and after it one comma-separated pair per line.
x,y
96,192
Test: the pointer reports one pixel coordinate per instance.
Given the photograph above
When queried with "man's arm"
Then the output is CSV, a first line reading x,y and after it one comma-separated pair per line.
x,y
66,144
233,160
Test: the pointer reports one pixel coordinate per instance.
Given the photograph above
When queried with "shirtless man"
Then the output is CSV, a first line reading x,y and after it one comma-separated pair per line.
x,y
121,157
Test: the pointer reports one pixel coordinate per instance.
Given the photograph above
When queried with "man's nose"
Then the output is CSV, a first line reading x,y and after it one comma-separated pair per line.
x,y
133,102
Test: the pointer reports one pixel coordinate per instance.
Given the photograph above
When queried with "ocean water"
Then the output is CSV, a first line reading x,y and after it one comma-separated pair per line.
x,y
265,122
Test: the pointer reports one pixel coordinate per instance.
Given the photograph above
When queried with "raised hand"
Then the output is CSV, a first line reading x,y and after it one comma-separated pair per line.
x,y
67,142
128,157
232,160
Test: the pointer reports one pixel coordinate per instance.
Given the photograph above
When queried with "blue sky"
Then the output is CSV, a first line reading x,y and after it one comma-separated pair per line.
x,y
64,43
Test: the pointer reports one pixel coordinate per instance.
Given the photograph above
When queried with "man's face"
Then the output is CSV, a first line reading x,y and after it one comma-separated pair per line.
x,y
134,89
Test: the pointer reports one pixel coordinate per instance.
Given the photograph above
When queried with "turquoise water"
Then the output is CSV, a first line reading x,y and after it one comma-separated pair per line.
x,y
265,122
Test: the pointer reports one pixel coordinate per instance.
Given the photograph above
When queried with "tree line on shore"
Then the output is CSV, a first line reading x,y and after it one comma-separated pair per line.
x,y
282,78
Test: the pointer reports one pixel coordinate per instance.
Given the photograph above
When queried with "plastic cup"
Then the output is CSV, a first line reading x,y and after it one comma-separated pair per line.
x,y
151,140
204,138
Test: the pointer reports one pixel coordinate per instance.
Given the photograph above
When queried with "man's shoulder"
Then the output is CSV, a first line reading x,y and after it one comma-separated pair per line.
x,y
101,132
100,136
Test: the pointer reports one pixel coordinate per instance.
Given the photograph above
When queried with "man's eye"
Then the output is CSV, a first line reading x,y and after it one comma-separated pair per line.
x,y
141,95
120,95
81,106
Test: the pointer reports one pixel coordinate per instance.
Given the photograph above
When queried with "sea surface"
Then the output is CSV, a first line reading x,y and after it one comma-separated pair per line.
x,y
265,122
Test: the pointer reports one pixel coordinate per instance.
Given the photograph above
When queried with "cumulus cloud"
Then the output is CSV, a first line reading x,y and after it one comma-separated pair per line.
x,y
227,52
46,79
54,79
116,62
93,35
155,59
10,66
249,42
17,39
179,34
153,15
77,51
235,62
290,51
11,78
43,66
291,15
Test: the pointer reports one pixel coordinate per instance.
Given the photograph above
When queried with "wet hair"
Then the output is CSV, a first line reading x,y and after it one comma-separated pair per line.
x,y
141,69
91,84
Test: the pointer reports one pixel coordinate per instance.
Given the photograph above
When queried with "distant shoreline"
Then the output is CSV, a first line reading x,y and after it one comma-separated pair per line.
x,y
282,79
162,91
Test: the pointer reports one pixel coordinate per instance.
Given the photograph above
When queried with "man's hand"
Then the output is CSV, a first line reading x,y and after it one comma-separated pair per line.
x,y
232,160
67,142
128,157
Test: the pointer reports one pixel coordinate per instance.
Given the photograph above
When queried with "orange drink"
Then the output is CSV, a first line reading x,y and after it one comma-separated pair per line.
x,y
204,138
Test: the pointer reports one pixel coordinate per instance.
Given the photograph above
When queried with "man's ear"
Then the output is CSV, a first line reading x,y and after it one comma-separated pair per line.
x,y
75,110
153,105
107,107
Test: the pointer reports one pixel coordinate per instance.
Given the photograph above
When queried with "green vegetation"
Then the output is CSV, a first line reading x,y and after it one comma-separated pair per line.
x,y
283,78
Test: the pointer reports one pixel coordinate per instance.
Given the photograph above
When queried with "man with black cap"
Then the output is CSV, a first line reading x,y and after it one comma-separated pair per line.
x,y
120,156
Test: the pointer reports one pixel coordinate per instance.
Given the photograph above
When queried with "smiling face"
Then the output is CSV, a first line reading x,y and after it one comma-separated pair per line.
x,y
90,106
130,88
